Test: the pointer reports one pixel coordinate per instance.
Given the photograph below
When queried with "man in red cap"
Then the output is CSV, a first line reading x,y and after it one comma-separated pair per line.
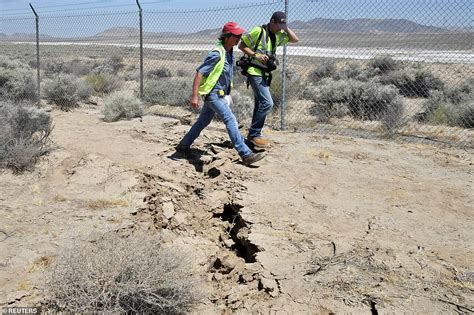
x,y
260,45
213,82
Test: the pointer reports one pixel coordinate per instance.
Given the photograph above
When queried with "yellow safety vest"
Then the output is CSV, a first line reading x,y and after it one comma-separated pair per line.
x,y
208,82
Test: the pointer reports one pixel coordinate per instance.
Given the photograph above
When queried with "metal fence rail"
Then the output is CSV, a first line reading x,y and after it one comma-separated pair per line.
x,y
367,68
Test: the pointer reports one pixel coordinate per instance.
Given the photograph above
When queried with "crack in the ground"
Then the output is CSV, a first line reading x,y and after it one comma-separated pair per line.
x,y
238,231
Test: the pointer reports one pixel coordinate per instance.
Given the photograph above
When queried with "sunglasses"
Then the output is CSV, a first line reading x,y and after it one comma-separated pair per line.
x,y
237,36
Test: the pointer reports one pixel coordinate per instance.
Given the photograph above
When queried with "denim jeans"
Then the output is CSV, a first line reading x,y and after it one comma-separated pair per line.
x,y
217,105
263,105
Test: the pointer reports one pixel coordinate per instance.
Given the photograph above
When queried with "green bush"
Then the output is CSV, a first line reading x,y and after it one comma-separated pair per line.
x,y
103,83
121,105
168,91
24,135
17,80
63,91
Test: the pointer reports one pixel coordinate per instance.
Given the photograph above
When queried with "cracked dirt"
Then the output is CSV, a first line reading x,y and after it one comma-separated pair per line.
x,y
322,225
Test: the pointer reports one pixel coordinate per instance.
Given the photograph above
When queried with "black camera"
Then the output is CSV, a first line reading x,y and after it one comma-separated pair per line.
x,y
271,63
244,63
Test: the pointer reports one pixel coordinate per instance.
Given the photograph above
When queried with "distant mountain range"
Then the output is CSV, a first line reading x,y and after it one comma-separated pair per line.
x,y
314,25
365,26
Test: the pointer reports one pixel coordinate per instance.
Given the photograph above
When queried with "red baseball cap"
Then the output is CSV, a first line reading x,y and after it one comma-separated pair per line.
x,y
233,28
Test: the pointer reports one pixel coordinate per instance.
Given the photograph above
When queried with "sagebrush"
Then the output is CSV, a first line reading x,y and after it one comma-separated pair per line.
x,y
167,91
121,105
122,275
65,90
17,80
24,135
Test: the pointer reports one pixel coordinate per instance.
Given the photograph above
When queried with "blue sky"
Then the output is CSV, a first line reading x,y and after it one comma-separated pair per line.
x,y
15,15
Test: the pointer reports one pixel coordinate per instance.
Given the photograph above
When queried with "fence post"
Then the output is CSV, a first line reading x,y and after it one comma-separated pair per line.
x,y
283,81
141,49
38,78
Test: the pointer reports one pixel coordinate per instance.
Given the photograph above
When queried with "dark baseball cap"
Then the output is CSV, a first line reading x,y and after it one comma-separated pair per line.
x,y
279,17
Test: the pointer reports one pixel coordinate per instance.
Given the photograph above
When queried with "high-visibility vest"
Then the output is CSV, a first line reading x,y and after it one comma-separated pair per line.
x,y
209,82
264,46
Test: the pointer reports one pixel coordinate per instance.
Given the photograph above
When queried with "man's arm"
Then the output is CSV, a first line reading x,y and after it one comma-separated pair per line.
x,y
249,52
195,94
291,35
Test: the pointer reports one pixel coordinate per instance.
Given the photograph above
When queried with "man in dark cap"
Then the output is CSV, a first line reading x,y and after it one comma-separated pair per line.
x,y
260,45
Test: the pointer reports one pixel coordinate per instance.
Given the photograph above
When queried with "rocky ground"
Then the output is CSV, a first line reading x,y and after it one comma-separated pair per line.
x,y
324,224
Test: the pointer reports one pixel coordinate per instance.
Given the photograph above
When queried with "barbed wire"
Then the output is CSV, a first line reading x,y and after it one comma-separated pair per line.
x,y
28,11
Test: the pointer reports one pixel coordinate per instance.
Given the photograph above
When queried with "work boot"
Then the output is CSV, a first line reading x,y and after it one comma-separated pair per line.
x,y
252,158
258,141
183,150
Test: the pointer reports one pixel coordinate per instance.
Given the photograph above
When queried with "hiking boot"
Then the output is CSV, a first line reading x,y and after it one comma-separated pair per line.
x,y
252,158
183,150
259,141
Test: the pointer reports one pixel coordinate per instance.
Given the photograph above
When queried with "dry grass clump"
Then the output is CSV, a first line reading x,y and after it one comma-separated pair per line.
x,y
24,135
121,275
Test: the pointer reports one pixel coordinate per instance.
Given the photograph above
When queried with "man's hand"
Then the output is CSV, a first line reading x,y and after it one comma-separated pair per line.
x,y
262,58
195,101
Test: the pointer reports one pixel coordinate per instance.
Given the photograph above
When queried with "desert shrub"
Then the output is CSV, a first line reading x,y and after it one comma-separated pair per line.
x,y
103,68
184,73
115,62
323,70
63,91
84,90
167,91
103,83
363,100
242,106
452,107
329,100
158,73
413,81
109,66
131,75
392,117
77,67
24,135
384,64
122,275
460,94
121,105
349,71
17,80
294,87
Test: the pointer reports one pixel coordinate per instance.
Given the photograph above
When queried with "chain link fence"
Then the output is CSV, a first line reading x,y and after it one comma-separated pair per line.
x,y
368,68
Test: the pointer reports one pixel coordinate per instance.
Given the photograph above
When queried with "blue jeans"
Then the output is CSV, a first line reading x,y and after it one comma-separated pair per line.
x,y
263,105
217,105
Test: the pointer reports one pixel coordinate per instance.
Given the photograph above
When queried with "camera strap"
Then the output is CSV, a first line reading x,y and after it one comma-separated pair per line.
x,y
272,38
